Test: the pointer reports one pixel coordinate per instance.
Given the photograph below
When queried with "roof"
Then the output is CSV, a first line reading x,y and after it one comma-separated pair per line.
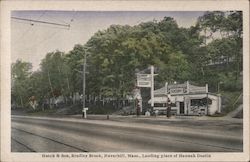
x,y
196,89
186,89
160,91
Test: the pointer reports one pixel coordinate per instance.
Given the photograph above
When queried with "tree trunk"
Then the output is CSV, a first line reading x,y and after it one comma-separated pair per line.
x,y
51,86
21,100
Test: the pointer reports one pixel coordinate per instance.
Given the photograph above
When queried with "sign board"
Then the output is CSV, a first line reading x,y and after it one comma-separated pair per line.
x,y
176,91
143,80
85,109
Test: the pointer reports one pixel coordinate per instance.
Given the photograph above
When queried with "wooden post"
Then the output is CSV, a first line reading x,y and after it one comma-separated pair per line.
x,y
21,99
84,84
207,98
152,86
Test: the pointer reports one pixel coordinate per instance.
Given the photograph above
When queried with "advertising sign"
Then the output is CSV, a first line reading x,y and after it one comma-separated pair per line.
x,y
143,80
176,90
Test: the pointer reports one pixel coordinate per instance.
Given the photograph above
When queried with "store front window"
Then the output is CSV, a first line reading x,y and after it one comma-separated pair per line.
x,y
164,105
201,102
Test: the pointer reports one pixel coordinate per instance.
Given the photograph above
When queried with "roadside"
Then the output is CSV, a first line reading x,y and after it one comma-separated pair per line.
x,y
107,135
230,126
237,113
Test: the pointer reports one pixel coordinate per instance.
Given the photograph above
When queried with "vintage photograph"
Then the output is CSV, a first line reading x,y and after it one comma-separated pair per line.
x,y
126,81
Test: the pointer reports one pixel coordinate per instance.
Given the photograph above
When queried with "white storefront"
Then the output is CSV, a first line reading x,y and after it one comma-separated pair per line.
x,y
187,99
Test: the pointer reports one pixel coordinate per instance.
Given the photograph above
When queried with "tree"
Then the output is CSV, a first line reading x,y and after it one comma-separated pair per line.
x,y
55,72
74,62
20,72
229,44
113,55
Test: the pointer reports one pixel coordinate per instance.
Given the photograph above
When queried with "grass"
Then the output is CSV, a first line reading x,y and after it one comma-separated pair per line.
x,y
40,112
70,110
229,100
101,110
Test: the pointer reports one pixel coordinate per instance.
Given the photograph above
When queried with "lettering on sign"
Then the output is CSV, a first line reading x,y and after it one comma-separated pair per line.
x,y
143,80
176,91
145,77
143,84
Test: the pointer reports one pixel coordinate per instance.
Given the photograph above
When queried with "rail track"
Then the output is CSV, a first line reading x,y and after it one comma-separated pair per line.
x,y
52,135
29,148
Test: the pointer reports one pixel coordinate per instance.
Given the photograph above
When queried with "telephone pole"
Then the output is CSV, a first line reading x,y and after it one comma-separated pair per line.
x,y
84,80
152,85
84,109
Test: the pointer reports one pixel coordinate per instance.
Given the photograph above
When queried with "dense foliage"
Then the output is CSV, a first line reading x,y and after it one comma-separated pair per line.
x,y
208,52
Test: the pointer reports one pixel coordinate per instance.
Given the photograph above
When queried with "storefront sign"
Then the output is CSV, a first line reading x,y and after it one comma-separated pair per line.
x,y
176,91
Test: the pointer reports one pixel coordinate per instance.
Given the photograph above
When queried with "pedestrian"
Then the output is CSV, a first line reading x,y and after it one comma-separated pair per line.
x,y
156,112
168,106
147,113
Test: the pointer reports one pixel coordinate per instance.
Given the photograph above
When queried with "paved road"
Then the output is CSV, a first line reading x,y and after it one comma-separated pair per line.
x,y
47,134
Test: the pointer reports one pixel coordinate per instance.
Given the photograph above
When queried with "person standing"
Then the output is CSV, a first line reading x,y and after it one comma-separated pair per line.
x,y
168,105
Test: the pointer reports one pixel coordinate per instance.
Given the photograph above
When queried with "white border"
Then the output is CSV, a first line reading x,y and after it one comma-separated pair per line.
x,y
184,5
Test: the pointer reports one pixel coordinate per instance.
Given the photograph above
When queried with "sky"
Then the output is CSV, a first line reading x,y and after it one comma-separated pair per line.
x,y
31,41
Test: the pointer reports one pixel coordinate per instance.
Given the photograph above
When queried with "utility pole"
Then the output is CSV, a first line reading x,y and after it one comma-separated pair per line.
x,y
152,86
207,99
84,110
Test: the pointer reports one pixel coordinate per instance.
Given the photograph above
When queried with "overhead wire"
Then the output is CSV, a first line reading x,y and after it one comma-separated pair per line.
x,y
38,21
41,42
41,22
54,27
53,18
30,26
69,24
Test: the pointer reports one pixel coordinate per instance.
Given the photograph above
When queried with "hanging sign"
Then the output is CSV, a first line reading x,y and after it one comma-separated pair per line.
x,y
143,80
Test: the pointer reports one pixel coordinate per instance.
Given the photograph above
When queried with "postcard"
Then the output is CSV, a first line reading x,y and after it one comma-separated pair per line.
x,y
124,81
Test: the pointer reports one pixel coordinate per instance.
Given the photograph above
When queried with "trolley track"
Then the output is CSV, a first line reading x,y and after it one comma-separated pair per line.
x,y
50,135
43,137
24,145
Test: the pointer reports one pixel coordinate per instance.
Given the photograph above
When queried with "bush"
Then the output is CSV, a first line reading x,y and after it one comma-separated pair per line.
x,y
228,99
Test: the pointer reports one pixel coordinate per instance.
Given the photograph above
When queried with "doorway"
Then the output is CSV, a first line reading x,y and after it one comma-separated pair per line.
x,y
181,107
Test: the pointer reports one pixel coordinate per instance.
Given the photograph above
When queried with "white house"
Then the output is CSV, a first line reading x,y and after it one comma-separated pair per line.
x,y
187,99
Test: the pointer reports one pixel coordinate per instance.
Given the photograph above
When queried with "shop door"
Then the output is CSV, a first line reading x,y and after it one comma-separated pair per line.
x,y
181,107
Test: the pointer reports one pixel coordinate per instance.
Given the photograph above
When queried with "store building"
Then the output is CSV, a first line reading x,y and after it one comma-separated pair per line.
x,y
187,99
